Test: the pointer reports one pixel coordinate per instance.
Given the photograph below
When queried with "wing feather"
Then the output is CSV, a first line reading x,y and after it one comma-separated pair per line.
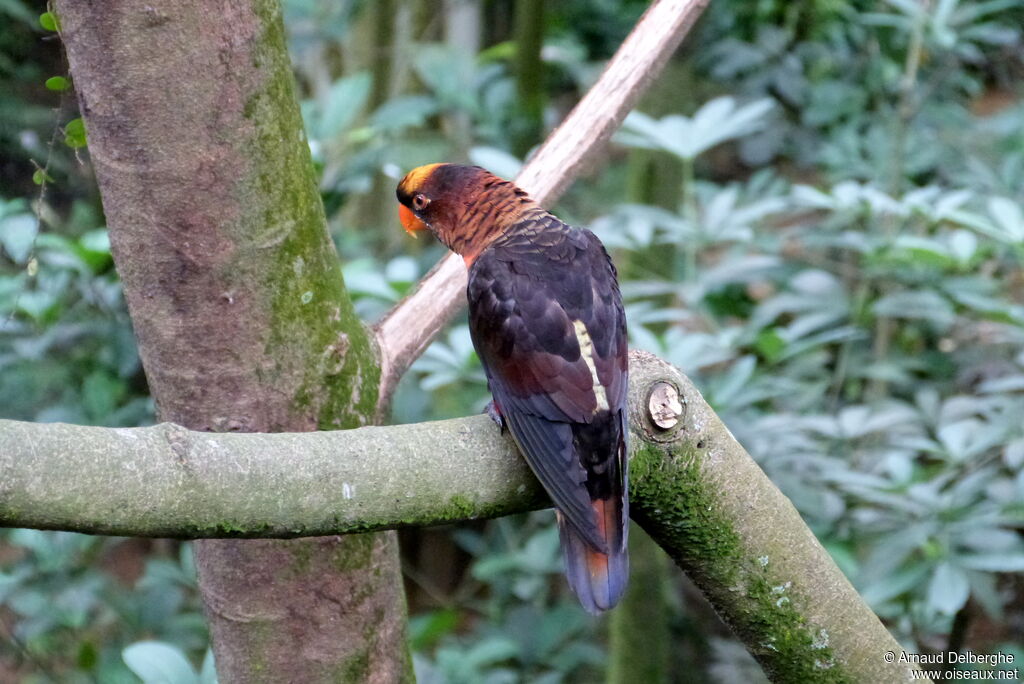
x,y
527,293
547,447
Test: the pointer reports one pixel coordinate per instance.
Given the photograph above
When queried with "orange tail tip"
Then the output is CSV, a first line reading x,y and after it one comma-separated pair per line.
x,y
598,579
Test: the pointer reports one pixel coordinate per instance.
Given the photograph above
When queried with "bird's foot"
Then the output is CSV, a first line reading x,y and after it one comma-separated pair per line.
x,y
494,411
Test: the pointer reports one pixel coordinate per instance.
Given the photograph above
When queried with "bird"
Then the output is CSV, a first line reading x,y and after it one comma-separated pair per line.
x,y
547,322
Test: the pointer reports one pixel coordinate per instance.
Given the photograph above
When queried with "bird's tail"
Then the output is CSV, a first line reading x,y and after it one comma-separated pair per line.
x,y
598,579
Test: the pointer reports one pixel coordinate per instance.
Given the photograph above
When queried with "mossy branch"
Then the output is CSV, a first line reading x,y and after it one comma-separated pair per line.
x,y
704,500
694,490
166,481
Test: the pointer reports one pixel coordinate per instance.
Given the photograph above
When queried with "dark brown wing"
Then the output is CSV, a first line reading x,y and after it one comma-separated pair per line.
x,y
545,306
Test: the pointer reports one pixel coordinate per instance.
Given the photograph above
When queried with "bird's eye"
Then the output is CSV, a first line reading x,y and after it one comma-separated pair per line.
x,y
420,202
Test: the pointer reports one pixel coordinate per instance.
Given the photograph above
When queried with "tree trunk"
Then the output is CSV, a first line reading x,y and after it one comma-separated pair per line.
x,y
240,311
529,74
462,31
639,640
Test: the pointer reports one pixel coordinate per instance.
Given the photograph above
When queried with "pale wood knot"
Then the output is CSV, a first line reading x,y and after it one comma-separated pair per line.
x,y
664,405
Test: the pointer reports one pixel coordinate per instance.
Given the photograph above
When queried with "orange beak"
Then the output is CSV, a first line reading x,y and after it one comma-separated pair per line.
x,y
409,220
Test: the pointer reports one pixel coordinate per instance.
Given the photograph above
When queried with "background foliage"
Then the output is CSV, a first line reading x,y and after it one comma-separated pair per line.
x,y
816,213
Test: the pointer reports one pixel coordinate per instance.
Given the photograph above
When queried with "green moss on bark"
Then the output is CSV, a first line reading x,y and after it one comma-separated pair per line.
x,y
312,315
356,668
676,505
355,554
668,484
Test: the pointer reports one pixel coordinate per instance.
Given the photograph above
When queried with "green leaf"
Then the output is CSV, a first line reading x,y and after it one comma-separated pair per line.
x,y
963,244
769,344
427,630
40,176
96,241
74,133
93,250
490,650
156,662
916,305
1009,216
49,21
345,101
87,655
19,10
718,121
403,112
36,303
448,71
920,251
948,589
208,672
101,393
891,585
57,83
17,235
497,161
1010,562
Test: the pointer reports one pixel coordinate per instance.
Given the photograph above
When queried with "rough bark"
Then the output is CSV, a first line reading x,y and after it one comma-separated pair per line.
x,y
693,488
238,304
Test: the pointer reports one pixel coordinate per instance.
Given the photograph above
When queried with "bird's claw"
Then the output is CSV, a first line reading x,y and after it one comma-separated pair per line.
x,y
494,413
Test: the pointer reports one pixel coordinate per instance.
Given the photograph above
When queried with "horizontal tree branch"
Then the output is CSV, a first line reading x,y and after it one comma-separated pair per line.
x,y
166,481
693,488
407,329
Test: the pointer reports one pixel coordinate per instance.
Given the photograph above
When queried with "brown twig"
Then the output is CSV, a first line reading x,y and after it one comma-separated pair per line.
x,y
407,329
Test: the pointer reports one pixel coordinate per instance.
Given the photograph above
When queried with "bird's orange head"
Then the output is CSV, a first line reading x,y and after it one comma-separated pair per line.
x,y
466,207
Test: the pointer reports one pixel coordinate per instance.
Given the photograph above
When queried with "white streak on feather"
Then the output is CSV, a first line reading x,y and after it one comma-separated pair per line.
x,y
587,352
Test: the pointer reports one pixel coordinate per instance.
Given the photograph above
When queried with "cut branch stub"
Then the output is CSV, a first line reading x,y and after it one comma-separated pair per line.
x,y
664,405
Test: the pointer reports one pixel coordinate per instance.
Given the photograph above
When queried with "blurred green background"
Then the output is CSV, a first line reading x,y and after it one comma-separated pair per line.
x,y
816,213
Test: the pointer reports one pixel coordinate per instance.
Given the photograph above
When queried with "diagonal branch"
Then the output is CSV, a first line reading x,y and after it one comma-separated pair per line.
x,y
693,489
407,329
